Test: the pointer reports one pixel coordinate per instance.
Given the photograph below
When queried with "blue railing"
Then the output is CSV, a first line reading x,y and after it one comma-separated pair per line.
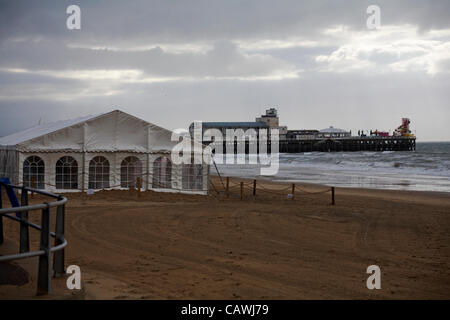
x,y
19,213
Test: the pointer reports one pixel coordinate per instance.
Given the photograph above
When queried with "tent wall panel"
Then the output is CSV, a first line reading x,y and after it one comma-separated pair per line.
x,y
50,160
9,160
115,159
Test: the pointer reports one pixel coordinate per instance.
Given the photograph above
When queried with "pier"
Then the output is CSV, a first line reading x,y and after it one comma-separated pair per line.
x,y
330,139
349,144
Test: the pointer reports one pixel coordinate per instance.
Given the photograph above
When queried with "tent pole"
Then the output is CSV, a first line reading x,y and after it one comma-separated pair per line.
x,y
17,178
148,169
83,173
148,158
83,170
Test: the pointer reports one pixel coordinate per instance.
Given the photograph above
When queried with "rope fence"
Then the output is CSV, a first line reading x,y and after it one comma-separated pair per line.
x,y
290,191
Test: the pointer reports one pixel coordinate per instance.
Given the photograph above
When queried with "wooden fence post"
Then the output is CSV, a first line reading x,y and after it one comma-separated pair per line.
x,y
228,186
138,186
242,191
332,196
293,190
254,187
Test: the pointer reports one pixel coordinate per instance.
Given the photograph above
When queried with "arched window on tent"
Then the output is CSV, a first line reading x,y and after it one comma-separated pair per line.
x,y
66,173
34,170
192,178
130,170
99,173
162,173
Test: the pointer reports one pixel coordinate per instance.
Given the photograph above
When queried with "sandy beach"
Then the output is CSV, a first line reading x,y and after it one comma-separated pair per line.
x,y
173,246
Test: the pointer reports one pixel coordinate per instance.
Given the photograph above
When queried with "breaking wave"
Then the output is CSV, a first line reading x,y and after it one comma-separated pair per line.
x,y
428,168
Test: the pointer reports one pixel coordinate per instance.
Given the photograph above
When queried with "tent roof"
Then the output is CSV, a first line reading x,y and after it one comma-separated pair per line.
x,y
48,128
42,129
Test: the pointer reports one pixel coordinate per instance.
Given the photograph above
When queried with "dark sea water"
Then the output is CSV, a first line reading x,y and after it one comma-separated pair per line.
x,y
427,168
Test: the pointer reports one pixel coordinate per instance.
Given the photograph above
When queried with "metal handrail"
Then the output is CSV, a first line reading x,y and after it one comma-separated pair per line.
x,y
5,211
32,254
40,191
45,249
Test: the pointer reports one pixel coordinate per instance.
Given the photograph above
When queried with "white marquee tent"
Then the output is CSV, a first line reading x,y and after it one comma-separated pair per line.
x,y
113,150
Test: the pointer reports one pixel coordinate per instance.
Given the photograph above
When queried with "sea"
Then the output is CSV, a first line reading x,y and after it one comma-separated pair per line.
x,y
426,169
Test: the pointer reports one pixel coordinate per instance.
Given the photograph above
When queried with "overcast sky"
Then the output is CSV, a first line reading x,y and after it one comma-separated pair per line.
x,y
171,62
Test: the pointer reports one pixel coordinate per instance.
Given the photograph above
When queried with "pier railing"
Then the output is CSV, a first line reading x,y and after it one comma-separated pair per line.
x,y
45,249
364,143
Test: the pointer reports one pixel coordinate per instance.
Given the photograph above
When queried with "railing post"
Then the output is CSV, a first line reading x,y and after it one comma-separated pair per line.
x,y
1,229
1,218
24,230
58,258
32,186
44,277
254,187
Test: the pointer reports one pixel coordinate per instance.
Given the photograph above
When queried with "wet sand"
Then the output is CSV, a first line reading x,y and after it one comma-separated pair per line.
x,y
173,246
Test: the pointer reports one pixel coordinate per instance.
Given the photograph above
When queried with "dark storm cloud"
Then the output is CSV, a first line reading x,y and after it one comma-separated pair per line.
x,y
181,20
